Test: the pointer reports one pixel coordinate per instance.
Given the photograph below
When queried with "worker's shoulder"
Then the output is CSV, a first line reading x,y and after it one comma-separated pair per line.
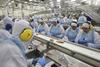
x,y
9,47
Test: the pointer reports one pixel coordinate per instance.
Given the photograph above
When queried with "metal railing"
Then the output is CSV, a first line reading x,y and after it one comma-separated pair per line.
x,y
89,56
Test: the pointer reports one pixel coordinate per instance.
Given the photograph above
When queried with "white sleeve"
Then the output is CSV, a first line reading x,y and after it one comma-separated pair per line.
x,y
46,28
65,33
65,39
62,29
96,41
38,27
85,19
67,30
14,57
50,28
78,36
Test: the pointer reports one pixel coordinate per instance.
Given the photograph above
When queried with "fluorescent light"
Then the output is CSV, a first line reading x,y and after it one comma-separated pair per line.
x,y
12,1
9,3
25,2
30,0
58,0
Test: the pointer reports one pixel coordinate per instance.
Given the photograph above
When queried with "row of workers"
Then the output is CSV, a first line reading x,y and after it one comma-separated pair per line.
x,y
80,19
22,34
58,29
14,38
84,33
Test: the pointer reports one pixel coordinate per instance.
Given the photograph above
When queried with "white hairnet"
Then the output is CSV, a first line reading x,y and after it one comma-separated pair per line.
x,y
73,24
20,26
86,25
7,20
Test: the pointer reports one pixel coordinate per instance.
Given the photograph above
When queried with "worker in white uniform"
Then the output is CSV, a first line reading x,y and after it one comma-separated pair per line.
x,y
12,52
56,30
11,55
71,32
43,27
88,36
23,32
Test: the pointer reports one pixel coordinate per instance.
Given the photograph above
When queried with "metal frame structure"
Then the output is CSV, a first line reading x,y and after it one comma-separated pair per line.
x,y
89,56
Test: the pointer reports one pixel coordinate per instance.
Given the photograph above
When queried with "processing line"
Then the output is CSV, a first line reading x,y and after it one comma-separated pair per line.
x,y
87,55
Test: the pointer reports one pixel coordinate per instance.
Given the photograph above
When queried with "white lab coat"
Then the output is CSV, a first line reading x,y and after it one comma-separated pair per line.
x,y
45,27
96,39
59,26
10,54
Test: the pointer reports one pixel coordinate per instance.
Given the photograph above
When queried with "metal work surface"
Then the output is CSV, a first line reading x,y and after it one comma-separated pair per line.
x,y
89,56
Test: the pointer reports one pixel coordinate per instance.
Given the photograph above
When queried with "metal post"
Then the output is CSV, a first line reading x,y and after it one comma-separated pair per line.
x,y
21,11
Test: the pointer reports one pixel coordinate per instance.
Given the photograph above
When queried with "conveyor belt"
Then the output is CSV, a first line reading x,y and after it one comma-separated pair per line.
x,y
54,59
86,55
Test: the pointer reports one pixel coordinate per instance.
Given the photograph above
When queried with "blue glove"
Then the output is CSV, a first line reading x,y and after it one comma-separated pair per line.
x,y
82,41
42,61
40,30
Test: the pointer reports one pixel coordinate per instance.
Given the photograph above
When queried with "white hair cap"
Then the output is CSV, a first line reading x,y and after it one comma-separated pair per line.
x,y
73,24
82,13
74,20
7,20
86,25
20,26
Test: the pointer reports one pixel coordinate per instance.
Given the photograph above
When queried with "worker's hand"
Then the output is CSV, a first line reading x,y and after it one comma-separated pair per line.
x,y
82,41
